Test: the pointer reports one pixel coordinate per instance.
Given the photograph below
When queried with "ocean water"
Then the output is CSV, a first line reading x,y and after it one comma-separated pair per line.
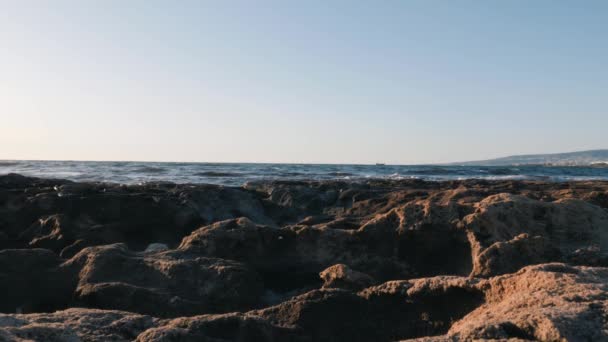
x,y
236,174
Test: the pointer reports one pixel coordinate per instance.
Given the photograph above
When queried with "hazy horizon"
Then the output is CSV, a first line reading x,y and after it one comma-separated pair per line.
x,y
401,83
303,163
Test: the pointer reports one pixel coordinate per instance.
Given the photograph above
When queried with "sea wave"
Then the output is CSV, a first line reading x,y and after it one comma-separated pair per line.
x,y
150,169
216,174
340,174
238,174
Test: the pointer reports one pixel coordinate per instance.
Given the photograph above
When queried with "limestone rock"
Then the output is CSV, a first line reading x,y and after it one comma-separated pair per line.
x,y
74,325
557,228
342,276
550,302
170,283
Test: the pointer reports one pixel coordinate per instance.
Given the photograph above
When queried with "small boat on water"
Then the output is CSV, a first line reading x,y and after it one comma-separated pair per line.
x,y
380,164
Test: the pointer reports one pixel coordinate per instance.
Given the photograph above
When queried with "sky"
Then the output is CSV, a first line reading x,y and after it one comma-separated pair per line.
x,y
399,82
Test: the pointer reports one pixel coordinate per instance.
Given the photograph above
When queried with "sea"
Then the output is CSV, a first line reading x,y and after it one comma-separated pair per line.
x,y
237,174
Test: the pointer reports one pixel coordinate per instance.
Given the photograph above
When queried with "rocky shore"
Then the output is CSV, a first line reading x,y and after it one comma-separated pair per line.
x,y
303,261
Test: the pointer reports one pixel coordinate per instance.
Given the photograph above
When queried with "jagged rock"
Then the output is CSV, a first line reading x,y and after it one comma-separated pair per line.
x,y
550,302
325,315
259,250
421,307
77,246
53,232
298,252
342,276
589,256
509,256
74,325
557,228
296,200
171,283
394,310
423,233
59,213
220,328
599,198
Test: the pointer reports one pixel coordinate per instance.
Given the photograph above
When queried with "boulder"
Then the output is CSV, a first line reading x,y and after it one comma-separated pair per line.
x,y
166,284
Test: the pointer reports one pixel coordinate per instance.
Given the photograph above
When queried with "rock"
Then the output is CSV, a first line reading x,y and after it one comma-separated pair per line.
x,y
421,307
590,256
394,310
342,276
293,200
31,280
557,228
170,284
55,214
52,232
325,315
550,302
371,260
293,253
156,247
74,325
509,256
227,327
77,246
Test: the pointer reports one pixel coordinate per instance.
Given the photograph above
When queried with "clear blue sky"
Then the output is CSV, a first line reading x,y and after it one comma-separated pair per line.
x,y
301,81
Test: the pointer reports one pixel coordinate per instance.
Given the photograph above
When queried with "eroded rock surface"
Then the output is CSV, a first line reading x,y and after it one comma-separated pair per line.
x,y
548,302
303,261
172,283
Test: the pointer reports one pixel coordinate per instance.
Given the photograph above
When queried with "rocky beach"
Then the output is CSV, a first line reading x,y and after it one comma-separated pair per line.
x,y
333,260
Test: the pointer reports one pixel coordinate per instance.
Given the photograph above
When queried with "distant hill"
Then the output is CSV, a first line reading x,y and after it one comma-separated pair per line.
x,y
582,158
